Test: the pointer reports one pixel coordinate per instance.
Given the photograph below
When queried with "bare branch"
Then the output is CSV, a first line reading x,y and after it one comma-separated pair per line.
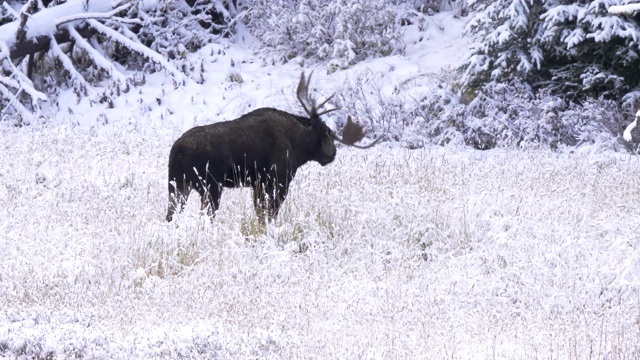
x,y
13,102
10,10
143,50
95,15
67,63
99,60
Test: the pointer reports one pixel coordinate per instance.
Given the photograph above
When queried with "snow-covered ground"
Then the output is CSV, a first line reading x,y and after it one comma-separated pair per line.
x,y
385,253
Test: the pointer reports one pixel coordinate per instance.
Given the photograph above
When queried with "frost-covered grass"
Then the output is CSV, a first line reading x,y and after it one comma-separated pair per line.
x,y
386,253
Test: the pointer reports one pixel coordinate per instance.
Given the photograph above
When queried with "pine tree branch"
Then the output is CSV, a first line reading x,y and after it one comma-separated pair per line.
x,y
624,9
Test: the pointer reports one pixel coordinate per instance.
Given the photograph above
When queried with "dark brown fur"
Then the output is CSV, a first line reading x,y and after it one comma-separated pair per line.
x,y
262,149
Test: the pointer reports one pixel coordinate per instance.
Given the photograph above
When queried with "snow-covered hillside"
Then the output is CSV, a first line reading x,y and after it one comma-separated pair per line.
x,y
237,79
440,252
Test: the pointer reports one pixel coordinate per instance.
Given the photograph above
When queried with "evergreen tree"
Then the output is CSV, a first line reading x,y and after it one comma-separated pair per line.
x,y
572,49
507,41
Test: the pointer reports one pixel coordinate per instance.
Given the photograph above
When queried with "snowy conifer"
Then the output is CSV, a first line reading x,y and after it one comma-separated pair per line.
x,y
573,49
508,44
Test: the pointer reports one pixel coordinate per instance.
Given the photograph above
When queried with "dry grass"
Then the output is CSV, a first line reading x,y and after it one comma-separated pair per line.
x,y
389,253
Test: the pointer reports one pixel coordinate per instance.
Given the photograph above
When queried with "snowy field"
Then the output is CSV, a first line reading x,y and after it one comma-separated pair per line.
x,y
388,253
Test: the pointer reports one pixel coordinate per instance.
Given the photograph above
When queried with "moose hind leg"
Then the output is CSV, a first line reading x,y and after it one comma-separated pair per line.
x,y
210,199
260,202
178,195
277,194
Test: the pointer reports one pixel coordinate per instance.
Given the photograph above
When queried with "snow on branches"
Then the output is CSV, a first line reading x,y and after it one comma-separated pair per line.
x,y
624,9
37,30
341,32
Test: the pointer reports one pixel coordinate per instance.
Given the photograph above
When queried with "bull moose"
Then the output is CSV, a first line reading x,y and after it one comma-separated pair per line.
x,y
262,149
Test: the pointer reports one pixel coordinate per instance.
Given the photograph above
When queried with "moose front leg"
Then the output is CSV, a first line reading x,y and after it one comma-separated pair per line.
x,y
267,200
276,198
260,202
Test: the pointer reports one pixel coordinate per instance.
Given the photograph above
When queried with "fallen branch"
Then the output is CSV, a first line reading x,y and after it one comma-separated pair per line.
x,y
95,55
76,21
137,47
98,15
67,63
20,81
13,102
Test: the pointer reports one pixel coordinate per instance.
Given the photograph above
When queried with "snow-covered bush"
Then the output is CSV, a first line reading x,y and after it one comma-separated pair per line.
x,y
342,32
430,109
575,50
173,27
514,116
431,7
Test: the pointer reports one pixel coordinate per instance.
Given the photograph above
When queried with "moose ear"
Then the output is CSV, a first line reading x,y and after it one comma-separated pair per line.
x,y
351,133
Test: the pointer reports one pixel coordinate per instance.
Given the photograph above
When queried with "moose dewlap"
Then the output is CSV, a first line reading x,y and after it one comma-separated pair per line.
x,y
262,149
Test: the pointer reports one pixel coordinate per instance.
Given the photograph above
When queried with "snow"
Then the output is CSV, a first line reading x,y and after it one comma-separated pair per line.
x,y
627,132
385,253
44,22
624,9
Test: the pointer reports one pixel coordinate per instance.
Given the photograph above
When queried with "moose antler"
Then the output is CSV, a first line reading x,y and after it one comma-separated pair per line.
x,y
352,133
308,103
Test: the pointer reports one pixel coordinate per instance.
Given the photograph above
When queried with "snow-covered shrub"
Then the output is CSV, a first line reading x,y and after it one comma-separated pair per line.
x,y
364,98
342,32
430,7
575,50
511,115
172,27
430,109
517,117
